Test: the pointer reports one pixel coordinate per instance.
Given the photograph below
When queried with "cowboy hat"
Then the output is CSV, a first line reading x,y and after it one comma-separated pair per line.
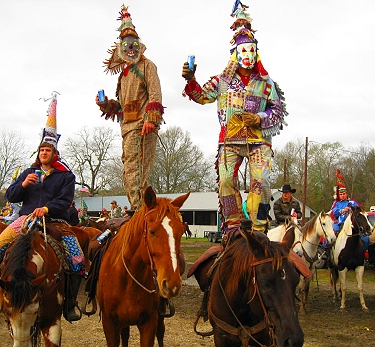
x,y
287,188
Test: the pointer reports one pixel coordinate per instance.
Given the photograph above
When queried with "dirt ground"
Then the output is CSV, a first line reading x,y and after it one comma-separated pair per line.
x,y
324,325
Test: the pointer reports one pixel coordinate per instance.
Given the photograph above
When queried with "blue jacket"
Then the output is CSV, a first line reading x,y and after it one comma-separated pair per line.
x,y
56,192
339,217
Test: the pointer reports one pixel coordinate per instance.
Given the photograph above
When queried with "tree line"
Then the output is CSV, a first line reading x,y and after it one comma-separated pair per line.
x,y
94,155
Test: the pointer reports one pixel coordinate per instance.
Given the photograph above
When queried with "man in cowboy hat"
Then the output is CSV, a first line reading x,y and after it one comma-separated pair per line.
x,y
287,208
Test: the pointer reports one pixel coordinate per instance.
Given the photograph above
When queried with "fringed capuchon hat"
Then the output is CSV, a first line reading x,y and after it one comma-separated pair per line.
x,y
50,135
244,33
117,62
340,185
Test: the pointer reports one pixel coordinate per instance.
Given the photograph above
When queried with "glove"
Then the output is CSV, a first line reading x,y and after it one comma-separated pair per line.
x,y
187,73
250,119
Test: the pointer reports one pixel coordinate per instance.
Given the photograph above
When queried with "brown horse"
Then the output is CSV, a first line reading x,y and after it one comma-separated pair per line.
x,y
141,265
32,289
252,294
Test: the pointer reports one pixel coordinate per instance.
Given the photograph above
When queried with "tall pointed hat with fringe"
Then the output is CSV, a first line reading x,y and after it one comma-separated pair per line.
x,y
117,63
243,33
50,135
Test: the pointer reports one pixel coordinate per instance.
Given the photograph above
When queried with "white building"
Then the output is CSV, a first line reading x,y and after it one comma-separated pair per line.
x,y
199,210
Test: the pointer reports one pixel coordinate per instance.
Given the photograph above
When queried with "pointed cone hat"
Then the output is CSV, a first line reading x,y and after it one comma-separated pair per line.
x,y
50,135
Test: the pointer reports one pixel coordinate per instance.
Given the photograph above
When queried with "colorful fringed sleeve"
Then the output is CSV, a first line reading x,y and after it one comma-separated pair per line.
x,y
111,110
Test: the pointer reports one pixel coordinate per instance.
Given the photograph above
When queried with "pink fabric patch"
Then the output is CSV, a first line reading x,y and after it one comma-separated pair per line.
x,y
17,224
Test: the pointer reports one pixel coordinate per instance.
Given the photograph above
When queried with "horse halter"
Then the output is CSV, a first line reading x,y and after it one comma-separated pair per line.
x,y
245,333
153,269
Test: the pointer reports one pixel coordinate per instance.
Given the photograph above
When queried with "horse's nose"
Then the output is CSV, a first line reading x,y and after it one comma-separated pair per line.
x,y
168,291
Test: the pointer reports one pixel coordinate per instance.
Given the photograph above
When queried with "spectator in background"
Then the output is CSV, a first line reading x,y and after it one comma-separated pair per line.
x,y
73,214
14,214
115,211
287,208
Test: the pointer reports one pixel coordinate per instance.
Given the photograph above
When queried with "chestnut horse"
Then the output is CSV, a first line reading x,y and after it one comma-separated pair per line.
x,y
32,289
348,254
252,294
140,265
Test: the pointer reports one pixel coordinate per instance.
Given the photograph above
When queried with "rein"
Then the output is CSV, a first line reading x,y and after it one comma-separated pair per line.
x,y
150,291
244,332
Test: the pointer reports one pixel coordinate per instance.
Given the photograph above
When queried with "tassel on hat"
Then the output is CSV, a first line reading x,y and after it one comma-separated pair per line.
x,y
126,28
340,185
50,135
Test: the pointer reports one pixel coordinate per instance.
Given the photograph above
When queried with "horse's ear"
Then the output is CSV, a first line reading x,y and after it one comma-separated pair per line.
x,y
255,245
179,201
288,238
149,197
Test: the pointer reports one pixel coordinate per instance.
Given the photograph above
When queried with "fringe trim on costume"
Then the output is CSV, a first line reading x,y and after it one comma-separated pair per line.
x,y
275,130
155,106
135,69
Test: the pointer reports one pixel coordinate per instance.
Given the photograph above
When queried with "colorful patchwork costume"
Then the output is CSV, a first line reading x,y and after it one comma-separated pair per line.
x,y
239,95
138,104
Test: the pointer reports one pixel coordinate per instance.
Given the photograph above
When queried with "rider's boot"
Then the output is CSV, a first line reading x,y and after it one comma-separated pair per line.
x,y
73,288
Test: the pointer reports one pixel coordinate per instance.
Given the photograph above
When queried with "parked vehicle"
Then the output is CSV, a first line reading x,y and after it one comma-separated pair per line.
x,y
213,236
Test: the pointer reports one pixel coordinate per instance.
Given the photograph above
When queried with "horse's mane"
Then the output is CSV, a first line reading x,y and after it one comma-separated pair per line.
x,y
14,267
310,225
235,267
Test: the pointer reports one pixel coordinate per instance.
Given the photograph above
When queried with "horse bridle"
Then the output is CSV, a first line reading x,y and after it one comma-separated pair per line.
x,y
153,269
245,333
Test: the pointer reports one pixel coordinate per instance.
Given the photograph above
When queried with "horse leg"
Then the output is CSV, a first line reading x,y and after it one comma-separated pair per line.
x,y
111,332
334,274
125,334
147,331
52,335
342,275
160,331
359,272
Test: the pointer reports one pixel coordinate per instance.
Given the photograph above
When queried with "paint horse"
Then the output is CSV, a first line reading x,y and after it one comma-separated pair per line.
x,y
140,266
32,289
320,226
348,254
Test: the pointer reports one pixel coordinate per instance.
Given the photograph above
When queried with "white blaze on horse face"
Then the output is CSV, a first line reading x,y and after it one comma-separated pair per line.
x,y
21,326
54,333
171,240
37,259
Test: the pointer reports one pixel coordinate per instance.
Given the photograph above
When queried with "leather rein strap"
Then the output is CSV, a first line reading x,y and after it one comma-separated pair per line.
x,y
245,332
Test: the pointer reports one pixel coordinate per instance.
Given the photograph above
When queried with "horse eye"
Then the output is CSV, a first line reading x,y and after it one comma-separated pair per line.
x,y
266,285
153,233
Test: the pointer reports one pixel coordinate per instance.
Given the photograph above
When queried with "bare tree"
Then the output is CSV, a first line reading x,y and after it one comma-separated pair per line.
x,y
13,153
180,165
91,156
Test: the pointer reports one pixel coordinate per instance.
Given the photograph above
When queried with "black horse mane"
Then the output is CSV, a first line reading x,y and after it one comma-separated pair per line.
x,y
14,267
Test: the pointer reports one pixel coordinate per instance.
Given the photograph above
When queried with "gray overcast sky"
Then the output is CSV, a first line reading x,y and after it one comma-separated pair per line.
x,y
321,53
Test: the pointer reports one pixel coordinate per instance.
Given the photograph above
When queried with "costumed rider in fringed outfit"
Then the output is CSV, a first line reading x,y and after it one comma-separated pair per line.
x,y
48,196
250,112
138,107
340,210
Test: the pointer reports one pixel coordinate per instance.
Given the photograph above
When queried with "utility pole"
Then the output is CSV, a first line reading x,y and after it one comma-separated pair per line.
x,y
304,183
285,171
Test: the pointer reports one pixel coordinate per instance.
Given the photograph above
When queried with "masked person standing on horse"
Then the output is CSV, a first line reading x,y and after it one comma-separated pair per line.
x,y
287,208
46,189
138,108
250,112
